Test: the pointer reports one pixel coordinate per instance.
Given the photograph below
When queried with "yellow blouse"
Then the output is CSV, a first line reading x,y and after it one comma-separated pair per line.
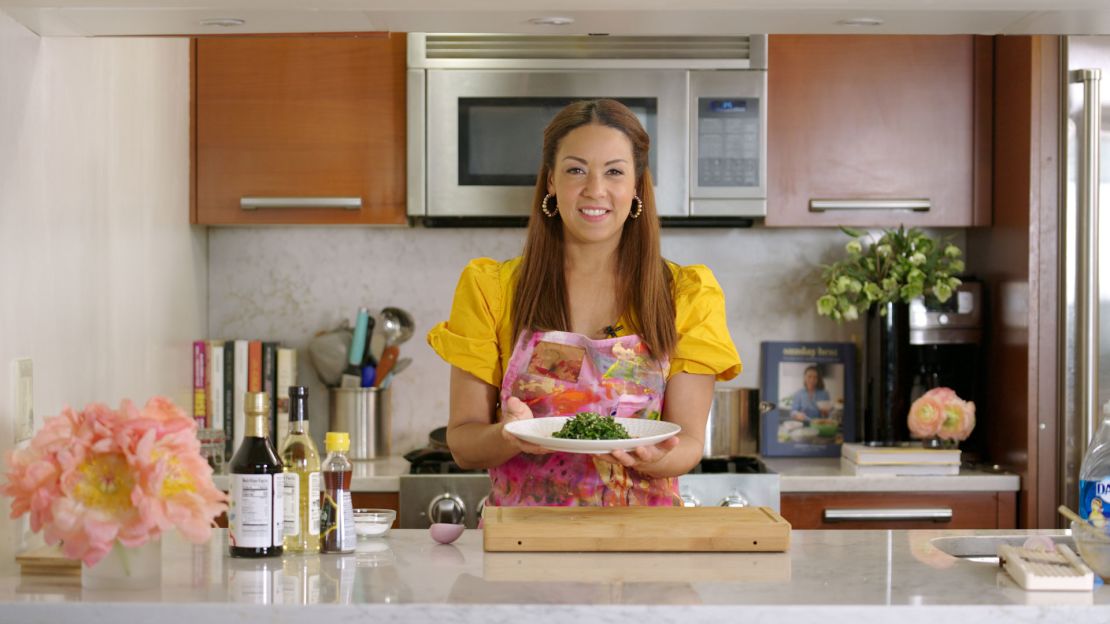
x,y
477,337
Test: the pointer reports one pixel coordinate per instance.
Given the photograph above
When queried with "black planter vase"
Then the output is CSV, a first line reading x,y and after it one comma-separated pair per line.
x,y
887,379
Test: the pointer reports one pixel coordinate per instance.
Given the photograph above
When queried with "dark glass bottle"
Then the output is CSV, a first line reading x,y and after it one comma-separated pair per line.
x,y
256,516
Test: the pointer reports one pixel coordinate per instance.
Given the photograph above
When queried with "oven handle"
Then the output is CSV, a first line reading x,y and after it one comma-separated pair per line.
x,y
938,514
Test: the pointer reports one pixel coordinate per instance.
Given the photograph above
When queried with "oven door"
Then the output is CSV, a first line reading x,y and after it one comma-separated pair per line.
x,y
485,133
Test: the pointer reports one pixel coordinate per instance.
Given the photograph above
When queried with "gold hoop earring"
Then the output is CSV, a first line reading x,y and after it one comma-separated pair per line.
x,y
543,207
639,206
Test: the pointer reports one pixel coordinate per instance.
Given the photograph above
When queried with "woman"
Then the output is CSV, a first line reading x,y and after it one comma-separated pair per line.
x,y
812,400
589,318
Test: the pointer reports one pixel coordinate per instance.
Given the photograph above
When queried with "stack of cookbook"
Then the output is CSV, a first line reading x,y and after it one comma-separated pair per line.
x,y
909,459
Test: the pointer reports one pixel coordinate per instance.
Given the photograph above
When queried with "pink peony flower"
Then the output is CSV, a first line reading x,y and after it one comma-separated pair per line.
x,y
941,413
926,415
93,477
959,420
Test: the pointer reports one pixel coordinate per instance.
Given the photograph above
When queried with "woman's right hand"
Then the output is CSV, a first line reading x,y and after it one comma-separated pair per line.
x,y
515,409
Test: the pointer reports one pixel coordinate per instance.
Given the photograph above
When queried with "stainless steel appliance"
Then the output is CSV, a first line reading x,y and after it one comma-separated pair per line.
x,y
458,497
477,106
731,428
1085,313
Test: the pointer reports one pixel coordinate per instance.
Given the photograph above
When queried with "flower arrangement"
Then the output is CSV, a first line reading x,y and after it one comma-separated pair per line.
x,y
92,477
901,265
939,413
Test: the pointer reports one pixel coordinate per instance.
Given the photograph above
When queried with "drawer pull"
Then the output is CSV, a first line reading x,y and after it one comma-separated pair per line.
x,y
916,205
346,203
938,514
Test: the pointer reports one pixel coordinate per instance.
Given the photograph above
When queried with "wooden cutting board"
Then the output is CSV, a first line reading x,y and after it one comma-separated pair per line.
x,y
48,561
633,529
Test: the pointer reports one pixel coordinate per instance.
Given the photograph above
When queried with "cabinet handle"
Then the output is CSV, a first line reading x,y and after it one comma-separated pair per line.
x,y
346,203
939,514
916,205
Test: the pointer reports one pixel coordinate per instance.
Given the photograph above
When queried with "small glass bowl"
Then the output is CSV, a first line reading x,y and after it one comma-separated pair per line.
x,y
370,523
1093,546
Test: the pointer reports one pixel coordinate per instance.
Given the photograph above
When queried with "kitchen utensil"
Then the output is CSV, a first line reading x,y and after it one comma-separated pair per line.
x,y
386,363
369,375
401,365
377,342
352,373
368,352
1058,570
676,529
437,439
644,432
367,415
397,325
328,352
731,428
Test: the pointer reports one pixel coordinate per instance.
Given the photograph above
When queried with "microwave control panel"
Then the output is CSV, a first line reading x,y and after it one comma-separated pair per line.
x,y
728,141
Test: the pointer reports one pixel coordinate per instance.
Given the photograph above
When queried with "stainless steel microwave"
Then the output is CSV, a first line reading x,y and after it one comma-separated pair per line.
x,y
477,106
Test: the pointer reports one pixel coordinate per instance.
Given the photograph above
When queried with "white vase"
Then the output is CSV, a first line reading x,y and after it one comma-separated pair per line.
x,y
126,568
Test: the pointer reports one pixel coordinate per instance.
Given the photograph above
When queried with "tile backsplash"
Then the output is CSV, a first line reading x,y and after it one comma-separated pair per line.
x,y
287,283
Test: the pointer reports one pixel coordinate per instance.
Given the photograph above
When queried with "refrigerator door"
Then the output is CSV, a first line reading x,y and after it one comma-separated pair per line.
x,y
1085,274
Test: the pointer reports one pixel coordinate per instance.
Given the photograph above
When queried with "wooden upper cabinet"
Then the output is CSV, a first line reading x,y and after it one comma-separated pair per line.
x,y
857,119
299,117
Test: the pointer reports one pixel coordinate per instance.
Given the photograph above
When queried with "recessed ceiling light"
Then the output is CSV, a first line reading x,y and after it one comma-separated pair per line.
x,y
860,21
223,22
551,21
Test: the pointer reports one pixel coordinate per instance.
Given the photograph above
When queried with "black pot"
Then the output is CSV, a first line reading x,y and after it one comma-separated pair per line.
x,y
887,379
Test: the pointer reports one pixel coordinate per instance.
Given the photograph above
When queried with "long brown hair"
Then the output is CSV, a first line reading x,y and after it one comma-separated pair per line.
x,y
644,280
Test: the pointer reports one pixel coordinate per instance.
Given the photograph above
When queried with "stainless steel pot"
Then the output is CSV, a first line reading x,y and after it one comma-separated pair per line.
x,y
733,423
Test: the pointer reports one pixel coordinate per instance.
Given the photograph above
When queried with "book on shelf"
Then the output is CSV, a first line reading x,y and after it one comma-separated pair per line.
x,y
901,470
239,392
254,366
269,385
286,376
200,401
909,453
229,399
215,386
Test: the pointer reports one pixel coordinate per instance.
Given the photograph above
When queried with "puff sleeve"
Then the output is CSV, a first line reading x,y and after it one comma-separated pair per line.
x,y
468,340
704,345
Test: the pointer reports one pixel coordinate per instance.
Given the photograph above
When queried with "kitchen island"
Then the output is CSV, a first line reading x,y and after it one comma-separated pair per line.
x,y
841,576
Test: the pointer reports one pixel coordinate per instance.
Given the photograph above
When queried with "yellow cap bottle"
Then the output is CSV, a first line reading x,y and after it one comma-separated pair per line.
x,y
337,441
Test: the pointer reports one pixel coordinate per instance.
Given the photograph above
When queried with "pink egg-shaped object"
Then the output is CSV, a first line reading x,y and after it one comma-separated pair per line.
x,y
446,533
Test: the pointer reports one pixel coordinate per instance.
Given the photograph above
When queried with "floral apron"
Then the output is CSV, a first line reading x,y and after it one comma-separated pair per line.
x,y
560,374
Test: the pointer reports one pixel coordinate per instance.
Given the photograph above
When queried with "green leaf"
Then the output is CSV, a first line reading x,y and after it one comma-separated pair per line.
x,y
854,233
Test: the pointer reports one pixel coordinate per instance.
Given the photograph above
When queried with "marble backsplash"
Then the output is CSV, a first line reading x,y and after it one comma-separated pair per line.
x,y
287,283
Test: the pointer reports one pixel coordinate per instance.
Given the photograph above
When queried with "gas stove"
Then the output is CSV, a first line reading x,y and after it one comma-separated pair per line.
x,y
437,490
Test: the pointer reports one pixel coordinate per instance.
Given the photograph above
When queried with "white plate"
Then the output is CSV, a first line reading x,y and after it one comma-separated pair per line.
x,y
539,431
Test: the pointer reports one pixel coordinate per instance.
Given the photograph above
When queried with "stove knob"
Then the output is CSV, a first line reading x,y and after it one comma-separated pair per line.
x,y
689,500
447,508
736,499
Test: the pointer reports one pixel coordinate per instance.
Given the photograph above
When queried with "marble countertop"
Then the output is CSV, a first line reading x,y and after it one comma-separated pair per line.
x,y
848,576
823,474
376,475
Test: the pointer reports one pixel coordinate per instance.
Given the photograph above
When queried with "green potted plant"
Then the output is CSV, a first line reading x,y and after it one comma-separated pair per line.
x,y
899,266
877,281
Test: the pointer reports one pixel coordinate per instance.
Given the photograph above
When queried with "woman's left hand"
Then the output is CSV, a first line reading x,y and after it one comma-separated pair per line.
x,y
641,455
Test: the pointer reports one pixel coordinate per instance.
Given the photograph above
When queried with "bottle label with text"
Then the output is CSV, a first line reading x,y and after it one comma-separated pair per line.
x,y
254,515
1094,500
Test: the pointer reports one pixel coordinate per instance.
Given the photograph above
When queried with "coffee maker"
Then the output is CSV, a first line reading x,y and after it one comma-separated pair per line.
x,y
946,347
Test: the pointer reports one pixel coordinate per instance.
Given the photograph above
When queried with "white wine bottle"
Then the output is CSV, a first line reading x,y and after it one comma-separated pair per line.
x,y
302,478
256,516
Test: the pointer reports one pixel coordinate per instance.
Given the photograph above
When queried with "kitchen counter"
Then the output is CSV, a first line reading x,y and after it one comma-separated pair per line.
x,y
376,475
857,576
798,474
823,474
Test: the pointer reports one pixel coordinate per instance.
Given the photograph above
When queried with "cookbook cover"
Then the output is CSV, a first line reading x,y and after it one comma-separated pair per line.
x,y
812,386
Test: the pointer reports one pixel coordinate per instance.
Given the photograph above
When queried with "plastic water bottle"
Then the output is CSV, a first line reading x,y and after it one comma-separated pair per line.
x,y
1094,475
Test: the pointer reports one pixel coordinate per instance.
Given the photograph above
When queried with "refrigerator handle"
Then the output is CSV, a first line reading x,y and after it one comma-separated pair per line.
x,y
1086,269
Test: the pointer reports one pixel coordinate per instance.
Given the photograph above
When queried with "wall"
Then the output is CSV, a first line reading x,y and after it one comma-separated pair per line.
x,y
103,278
288,283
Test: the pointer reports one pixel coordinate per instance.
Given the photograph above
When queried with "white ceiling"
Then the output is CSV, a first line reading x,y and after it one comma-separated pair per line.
x,y
618,17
